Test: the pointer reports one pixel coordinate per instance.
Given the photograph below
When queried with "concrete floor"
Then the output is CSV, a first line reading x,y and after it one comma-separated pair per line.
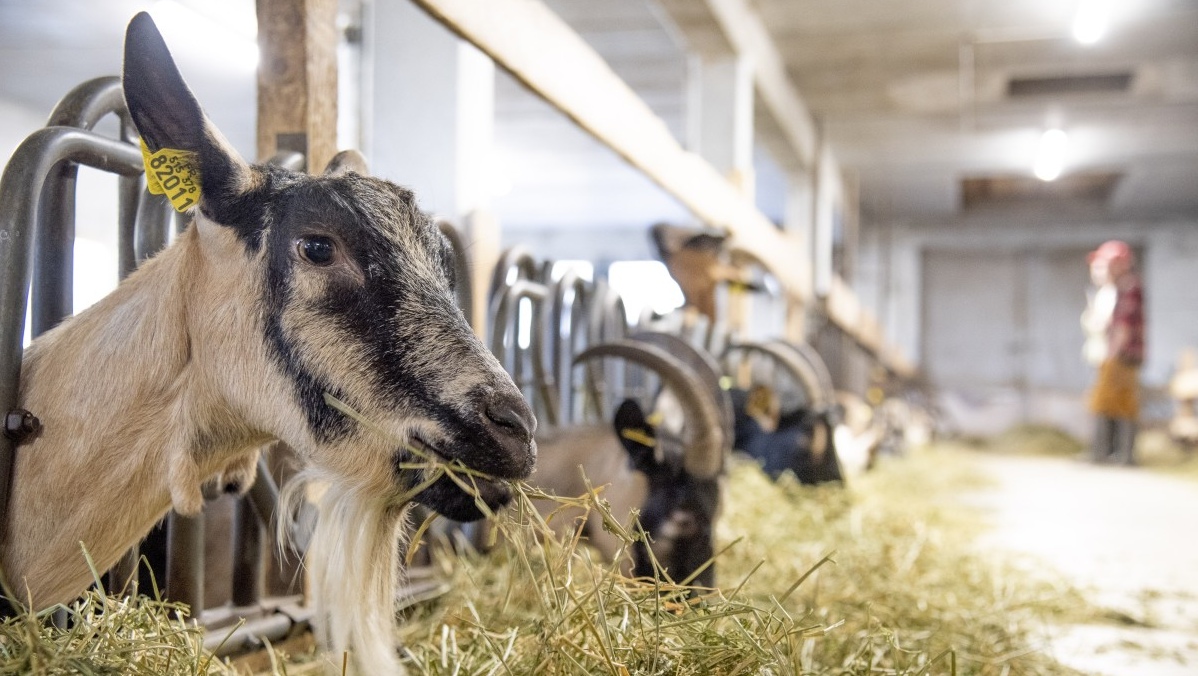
x,y
1128,537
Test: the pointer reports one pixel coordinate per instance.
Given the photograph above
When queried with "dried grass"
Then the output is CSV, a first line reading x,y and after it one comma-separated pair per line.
x,y
880,579
877,579
1033,439
107,634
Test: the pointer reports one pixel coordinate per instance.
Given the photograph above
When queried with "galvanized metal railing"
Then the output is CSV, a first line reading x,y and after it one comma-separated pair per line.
x,y
37,235
518,302
39,169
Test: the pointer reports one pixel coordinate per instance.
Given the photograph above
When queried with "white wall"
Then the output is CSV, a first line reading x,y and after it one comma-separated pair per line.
x,y
891,281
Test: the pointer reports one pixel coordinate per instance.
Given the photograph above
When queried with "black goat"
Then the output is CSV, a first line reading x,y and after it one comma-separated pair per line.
x,y
800,441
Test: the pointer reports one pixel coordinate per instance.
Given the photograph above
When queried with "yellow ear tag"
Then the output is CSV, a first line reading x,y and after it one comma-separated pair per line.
x,y
170,172
639,436
656,418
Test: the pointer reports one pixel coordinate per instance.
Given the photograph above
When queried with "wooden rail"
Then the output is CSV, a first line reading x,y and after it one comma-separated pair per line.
x,y
540,50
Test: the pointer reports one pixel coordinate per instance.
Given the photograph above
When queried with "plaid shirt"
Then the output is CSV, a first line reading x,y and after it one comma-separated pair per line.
x,y
1129,313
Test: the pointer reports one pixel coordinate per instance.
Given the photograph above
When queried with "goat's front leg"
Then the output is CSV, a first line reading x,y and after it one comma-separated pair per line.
x,y
239,472
184,480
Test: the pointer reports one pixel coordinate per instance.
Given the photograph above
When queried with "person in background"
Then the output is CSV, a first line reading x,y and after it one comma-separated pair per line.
x,y
1115,399
1096,318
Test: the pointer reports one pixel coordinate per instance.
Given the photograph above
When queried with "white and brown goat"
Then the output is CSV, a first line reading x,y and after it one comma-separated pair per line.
x,y
284,289
672,482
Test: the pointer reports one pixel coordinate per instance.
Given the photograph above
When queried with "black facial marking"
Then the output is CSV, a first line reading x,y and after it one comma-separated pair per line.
x,y
673,493
674,497
387,290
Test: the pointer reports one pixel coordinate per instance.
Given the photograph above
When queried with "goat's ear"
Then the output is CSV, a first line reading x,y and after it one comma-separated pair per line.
x,y
346,161
167,114
636,434
706,241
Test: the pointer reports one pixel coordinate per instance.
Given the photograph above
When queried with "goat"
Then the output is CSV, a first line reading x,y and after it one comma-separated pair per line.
x,y
673,485
285,289
801,440
694,259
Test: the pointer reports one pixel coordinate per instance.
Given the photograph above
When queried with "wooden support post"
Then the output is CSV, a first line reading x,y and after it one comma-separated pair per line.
x,y
297,79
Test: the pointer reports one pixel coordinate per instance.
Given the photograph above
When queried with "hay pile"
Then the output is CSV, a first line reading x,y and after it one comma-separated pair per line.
x,y
104,634
879,579
1033,439
876,580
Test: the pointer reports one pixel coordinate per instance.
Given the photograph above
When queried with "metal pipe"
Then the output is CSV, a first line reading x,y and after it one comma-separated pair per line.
x,y
287,159
264,495
505,327
154,219
122,577
185,560
571,297
253,634
88,103
20,187
54,250
607,322
53,265
517,258
247,553
130,189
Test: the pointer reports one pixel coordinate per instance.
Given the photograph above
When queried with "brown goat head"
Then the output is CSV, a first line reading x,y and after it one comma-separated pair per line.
x,y
342,287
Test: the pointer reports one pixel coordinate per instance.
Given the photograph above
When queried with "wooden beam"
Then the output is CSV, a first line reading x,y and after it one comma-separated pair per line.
x,y
718,26
533,44
541,51
297,79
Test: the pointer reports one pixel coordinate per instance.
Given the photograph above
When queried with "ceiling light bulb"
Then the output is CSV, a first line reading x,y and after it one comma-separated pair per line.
x,y
1090,21
1050,157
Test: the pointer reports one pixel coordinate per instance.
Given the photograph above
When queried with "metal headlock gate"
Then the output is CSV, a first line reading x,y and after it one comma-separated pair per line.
x,y
37,236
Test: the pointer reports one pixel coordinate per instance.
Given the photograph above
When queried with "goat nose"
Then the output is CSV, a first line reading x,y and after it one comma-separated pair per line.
x,y
514,417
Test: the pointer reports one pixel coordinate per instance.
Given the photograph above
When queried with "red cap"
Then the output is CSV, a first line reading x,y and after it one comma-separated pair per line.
x,y
1111,250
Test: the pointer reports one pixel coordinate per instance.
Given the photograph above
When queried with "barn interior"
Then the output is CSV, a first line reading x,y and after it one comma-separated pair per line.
x,y
911,188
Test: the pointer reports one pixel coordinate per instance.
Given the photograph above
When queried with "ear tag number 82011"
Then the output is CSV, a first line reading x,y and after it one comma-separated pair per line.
x,y
170,172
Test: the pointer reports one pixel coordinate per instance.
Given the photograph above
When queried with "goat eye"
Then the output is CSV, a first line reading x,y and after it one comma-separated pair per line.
x,y
316,249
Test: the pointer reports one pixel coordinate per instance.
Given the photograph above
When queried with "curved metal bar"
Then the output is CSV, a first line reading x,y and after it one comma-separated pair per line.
x,y
131,189
461,265
85,105
798,368
346,160
606,322
54,255
154,220
516,257
54,250
813,359
571,297
505,311
287,159
20,187
705,367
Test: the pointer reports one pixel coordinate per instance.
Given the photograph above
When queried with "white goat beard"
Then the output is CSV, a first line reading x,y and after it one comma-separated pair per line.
x,y
352,563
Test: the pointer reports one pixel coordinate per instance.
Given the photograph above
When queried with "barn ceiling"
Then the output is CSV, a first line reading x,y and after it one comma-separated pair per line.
x,y
921,100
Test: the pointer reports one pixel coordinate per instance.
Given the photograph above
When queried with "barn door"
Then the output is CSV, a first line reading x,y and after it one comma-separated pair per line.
x,y
1001,338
